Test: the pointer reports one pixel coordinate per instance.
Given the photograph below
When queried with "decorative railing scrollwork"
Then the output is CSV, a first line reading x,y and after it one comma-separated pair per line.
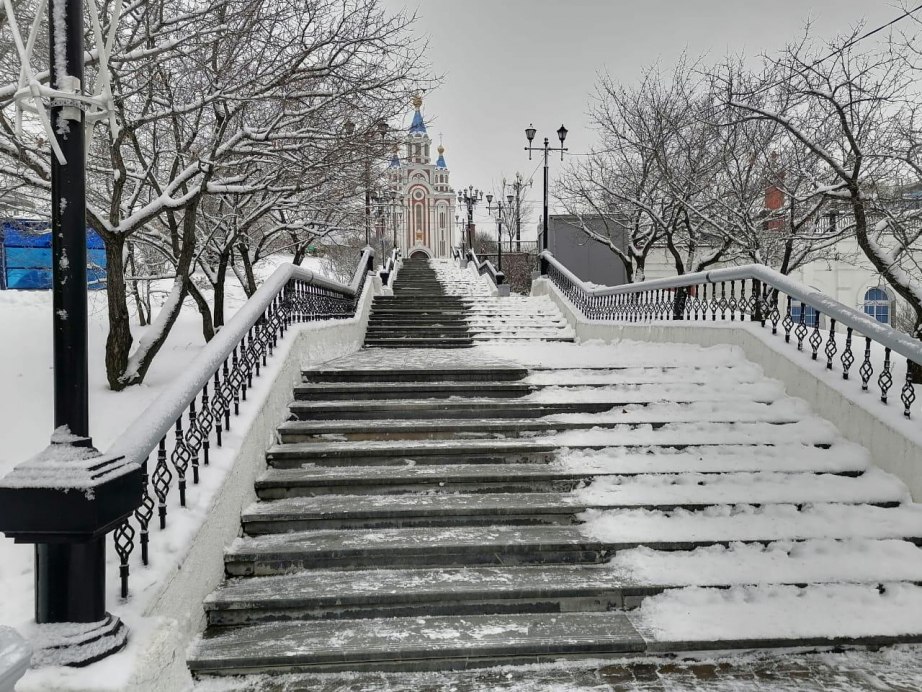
x,y
756,293
181,424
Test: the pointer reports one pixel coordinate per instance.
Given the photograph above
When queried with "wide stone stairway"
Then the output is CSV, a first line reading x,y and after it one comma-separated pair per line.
x,y
517,503
419,314
437,305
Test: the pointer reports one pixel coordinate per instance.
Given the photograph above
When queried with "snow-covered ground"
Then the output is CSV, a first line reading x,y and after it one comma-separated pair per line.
x,y
26,406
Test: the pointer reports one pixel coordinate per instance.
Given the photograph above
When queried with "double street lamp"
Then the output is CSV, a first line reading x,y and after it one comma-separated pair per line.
x,y
530,132
469,197
499,224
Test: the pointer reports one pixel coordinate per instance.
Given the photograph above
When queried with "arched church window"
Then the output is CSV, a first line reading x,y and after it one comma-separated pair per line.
x,y
877,304
809,313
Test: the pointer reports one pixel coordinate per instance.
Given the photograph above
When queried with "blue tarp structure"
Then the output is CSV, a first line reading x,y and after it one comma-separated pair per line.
x,y
25,256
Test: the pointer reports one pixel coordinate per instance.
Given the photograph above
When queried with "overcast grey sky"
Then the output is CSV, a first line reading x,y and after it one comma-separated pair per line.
x,y
507,63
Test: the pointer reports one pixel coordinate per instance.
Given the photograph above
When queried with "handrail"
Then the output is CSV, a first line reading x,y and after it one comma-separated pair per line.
x,y
771,297
227,364
389,267
486,267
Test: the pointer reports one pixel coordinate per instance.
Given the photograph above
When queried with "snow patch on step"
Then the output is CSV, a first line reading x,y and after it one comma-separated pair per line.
x,y
843,456
748,523
752,488
782,562
697,614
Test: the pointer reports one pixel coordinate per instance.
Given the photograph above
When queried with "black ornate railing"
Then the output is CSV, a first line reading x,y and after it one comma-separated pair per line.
x,y
756,293
486,267
177,431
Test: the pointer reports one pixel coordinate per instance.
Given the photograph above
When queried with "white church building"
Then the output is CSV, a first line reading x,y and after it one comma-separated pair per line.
x,y
425,213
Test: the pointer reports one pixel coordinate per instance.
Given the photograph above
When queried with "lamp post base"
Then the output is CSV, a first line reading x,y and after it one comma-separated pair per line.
x,y
77,644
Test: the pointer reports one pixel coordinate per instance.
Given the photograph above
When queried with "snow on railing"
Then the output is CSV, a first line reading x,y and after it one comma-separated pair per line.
x,y
759,294
486,267
197,407
389,269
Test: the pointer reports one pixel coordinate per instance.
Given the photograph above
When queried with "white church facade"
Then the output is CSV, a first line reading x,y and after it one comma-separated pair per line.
x,y
425,214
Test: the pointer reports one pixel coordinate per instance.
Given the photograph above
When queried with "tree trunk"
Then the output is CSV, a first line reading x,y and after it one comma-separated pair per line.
x,y
137,366
220,281
250,286
203,309
142,316
118,343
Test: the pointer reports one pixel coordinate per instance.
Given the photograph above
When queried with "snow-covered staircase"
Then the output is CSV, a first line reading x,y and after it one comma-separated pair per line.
x,y
420,314
433,509
494,318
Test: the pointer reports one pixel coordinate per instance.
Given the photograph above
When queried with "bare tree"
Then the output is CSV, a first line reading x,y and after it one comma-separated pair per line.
x,y
210,97
852,107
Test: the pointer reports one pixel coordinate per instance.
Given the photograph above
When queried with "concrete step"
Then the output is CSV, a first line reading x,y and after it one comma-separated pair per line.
x,y
654,416
433,374
314,431
419,332
481,321
287,456
324,594
329,594
377,324
393,333
415,316
460,546
410,390
422,301
438,642
523,477
431,409
673,436
417,449
411,342
511,336
274,554
534,508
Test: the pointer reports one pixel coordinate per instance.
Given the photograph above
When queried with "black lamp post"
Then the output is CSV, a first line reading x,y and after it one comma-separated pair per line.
x,y
499,225
68,520
393,195
517,185
469,197
530,132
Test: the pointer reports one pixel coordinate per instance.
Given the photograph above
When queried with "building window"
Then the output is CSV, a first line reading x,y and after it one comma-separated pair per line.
x,y
809,313
877,304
